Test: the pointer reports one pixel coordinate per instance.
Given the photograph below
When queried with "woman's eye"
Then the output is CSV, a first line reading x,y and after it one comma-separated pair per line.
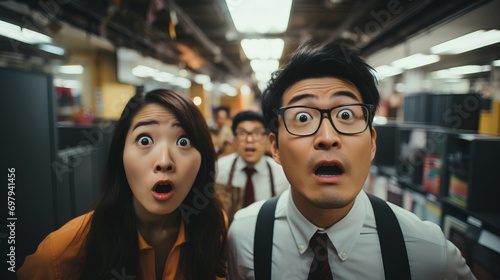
x,y
184,142
303,117
144,140
345,114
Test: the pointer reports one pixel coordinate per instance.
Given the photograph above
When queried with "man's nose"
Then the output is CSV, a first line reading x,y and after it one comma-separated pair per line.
x,y
326,136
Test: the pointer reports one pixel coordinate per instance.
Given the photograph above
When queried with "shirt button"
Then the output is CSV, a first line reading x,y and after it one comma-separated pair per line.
x,y
301,248
343,255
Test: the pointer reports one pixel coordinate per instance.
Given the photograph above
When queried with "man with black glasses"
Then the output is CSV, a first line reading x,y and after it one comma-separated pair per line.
x,y
320,108
248,175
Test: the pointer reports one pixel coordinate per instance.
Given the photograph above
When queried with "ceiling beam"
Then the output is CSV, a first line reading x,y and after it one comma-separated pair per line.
x,y
198,34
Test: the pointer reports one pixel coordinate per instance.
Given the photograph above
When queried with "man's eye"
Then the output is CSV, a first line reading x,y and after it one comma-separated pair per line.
x,y
144,140
184,142
345,114
303,117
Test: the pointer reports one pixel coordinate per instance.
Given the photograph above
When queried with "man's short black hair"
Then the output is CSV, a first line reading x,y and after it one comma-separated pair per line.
x,y
221,108
247,116
318,61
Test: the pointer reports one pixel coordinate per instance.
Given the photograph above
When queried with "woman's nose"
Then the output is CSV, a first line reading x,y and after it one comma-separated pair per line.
x,y
164,163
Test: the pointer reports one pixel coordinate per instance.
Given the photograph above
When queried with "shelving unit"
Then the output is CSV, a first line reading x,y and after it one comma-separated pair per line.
x,y
447,176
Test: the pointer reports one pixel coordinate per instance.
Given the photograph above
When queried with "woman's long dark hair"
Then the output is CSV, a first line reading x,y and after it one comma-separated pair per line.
x,y
112,245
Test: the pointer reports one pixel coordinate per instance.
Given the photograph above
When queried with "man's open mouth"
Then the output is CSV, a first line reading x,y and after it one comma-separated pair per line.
x,y
328,170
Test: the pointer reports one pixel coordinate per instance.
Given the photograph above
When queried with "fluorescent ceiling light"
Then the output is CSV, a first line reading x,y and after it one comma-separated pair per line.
x,y
70,69
496,63
468,42
202,79
263,76
260,16
245,90
23,34
143,71
469,69
262,85
163,77
208,86
461,70
259,65
263,48
414,61
228,90
182,82
52,49
387,71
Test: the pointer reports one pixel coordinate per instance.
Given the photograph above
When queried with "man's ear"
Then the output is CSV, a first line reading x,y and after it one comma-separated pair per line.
x,y
374,143
273,144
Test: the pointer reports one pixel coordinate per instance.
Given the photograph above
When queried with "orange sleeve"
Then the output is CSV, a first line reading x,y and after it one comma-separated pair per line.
x,y
40,265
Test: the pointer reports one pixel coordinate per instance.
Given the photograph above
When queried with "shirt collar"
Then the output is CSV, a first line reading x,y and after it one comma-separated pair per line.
x,y
343,234
181,238
260,167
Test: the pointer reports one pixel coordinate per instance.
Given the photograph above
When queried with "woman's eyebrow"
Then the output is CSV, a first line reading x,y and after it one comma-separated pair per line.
x,y
144,123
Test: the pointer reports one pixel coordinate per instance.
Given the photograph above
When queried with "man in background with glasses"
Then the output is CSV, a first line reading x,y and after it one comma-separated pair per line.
x,y
320,108
248,175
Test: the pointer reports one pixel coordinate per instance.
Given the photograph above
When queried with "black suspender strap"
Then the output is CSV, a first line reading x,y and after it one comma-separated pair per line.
x,y
392,243
263,240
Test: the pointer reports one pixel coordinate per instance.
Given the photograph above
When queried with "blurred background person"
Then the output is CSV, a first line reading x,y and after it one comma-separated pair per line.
x,y
222,126
248,175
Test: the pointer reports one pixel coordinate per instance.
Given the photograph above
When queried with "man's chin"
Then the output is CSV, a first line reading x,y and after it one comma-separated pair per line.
x,y
329,202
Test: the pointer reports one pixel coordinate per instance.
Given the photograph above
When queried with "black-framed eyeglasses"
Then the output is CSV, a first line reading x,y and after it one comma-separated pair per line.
x,y
257,134
346,119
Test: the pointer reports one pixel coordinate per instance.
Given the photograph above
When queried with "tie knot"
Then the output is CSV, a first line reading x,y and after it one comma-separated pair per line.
x,y
319,243
249,170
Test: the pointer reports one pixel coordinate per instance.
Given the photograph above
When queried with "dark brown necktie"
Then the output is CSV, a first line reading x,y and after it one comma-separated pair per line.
x,y
249,194
320,268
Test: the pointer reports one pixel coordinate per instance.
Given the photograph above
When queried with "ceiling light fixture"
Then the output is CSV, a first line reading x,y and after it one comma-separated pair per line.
x,y
263,48
272,16
260,65
414,61
385,71
456,72
51,49
70,69
23,34
468,42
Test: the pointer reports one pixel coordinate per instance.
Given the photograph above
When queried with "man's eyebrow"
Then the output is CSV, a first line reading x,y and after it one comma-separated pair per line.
x,y
144,123
308,95
348,94
297,98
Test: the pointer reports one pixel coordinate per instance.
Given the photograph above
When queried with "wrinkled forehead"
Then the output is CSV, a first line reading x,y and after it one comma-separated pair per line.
x,y
321,89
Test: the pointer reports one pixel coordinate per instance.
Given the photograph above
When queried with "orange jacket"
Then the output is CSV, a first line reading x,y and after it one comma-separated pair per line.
x,y
53,258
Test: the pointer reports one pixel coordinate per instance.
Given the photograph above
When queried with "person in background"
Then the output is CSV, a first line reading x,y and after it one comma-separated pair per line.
x,y
320,106
248,175
148,223
224,133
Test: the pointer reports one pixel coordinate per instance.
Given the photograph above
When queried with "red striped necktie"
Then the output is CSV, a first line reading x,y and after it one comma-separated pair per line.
x,y
320,268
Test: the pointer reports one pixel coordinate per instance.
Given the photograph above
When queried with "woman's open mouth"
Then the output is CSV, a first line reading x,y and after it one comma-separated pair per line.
x,y
163,190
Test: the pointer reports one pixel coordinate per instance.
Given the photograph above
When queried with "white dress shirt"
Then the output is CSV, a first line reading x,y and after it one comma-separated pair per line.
x,y
260,179
353,251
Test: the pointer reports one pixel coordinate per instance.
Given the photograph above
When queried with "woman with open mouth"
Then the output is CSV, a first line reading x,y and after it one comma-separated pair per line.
x,y
157,216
